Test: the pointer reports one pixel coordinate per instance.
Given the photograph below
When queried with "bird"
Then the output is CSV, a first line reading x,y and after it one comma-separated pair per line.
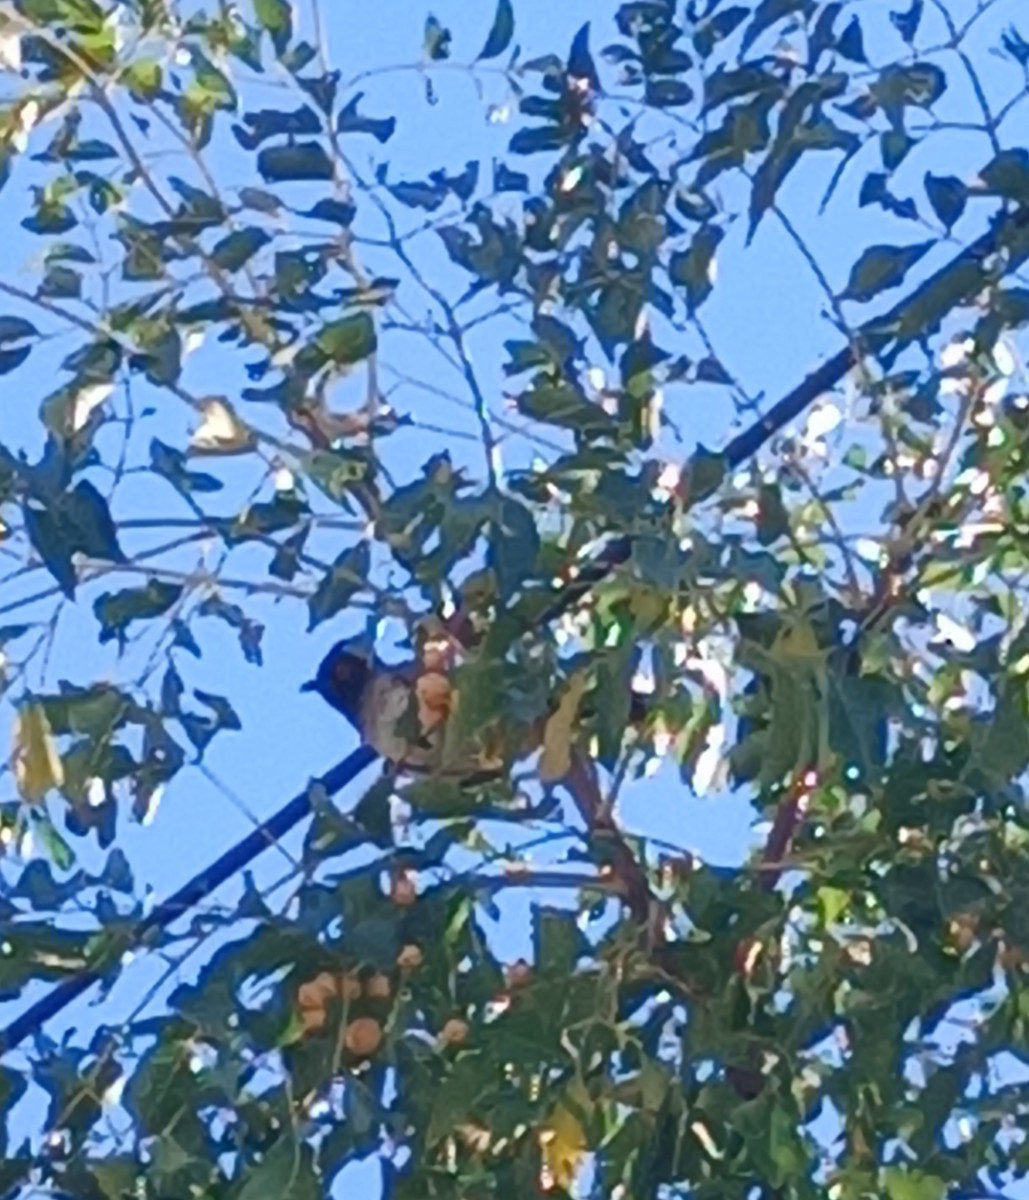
x,y
401,711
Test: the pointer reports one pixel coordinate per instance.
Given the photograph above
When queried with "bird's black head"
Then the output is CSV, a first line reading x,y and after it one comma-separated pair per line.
x,y
341,679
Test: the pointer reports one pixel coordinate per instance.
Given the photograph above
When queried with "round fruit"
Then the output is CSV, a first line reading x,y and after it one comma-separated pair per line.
x,y
410,958
378,987
317,992
454,1032
363,1036
349,986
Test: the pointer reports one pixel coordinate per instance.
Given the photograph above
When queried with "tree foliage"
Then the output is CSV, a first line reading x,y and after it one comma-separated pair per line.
x,y
828,607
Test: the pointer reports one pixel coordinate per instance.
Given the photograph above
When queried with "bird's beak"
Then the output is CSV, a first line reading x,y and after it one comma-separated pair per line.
x,y
310,686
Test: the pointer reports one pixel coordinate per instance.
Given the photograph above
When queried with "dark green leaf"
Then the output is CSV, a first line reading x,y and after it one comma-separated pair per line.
x,y
906,23
171,463
501,32
303,161
237,248
350,121
545,137
1016,46
11,359
428,196
565,406
773,518
667,93
948,196
13,329
78,521
692,269
117,610
286,561
339,212
851,42
271,122
881,267
580,61
345,579
513,546
1007,175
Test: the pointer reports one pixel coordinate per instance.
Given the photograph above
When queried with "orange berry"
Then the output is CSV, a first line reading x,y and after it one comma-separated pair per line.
x,y
363,1036
410,958
454,1032
349,986
403,891
437,655
378,987
434,696
518,973
317,992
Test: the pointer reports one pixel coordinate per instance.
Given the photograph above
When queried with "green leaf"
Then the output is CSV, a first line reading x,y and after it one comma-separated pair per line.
x,y
1007,175
436,41
304,161
851,42
276,16
339,212
903,1183
117,610
350,121
773,519
260,200
61,283
265,123
171,463
881,267
919,83
337,472
349,340
513,546
501,32
235,250
558,942
285,1172
565,406
12,359
667,93
144,78
78,521
347,576
286,562
948,196
13,329
531,141
692,269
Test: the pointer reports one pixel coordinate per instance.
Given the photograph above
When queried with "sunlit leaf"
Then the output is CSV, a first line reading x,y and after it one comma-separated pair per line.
x,y
37,765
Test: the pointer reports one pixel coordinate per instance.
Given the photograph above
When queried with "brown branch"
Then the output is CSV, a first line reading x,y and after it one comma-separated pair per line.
x,y
583,786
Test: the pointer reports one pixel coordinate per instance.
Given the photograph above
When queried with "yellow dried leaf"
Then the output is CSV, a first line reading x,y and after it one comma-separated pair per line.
x,y
556,759
37,765
220,431
562,1147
